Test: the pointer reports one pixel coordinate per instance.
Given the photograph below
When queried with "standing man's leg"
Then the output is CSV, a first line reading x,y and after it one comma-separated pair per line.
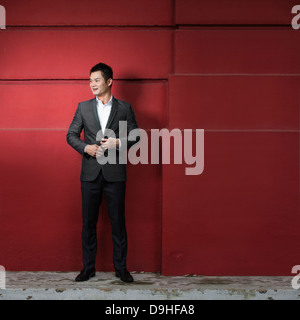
x,y
91,201
114,193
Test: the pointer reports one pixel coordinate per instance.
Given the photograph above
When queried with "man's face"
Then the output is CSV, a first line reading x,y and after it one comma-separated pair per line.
x,y
98,84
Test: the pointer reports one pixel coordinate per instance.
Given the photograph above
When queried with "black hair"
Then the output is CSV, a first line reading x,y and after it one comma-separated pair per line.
x,y
106,70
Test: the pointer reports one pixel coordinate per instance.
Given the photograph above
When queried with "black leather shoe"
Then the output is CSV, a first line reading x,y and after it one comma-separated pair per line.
x,y
124,275
85,275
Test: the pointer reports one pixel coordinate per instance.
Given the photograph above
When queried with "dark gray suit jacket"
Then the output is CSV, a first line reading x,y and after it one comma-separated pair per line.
x,y
86,118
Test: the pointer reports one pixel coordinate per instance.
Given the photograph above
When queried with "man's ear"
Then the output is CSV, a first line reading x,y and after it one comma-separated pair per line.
x,y
109,82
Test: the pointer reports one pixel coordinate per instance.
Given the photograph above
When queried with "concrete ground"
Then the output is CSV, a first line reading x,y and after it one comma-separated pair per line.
x,y
147,286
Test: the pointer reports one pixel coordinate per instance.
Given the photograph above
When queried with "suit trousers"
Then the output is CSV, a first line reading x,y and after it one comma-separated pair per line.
x,y
92,193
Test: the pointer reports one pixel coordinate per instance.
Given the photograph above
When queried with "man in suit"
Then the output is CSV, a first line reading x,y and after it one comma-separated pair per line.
x,y
99,118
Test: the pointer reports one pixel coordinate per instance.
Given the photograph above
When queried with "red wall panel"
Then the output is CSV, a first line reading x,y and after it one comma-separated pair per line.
x,y
237,51
241,213
235,102
52,104
48,54
234,11
88,12
41,208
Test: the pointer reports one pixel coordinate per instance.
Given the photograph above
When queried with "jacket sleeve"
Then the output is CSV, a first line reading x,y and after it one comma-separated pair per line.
x,y
131,125
73,135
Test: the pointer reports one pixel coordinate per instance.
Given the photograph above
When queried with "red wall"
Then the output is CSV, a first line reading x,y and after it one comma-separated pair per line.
x,y
232,70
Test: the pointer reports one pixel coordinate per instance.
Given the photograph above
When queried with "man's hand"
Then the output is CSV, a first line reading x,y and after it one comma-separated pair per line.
x,y
91,149
100,152
110,143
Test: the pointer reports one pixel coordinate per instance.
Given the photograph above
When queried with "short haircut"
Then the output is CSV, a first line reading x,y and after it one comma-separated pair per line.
x,y
106,70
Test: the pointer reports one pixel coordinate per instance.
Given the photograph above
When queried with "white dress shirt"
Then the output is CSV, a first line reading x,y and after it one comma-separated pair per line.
x,y
103,114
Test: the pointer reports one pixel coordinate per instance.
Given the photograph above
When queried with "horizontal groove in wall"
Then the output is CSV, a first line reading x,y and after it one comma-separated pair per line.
x,y
33,129
150,27
237,74
233,26
81,80
149,130
149,80
90,27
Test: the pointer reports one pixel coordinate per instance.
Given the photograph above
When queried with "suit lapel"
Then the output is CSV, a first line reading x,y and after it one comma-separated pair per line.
x,y
95,111
112,113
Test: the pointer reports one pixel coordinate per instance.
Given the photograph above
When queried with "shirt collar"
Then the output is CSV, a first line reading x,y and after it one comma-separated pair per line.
x,y
108,104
